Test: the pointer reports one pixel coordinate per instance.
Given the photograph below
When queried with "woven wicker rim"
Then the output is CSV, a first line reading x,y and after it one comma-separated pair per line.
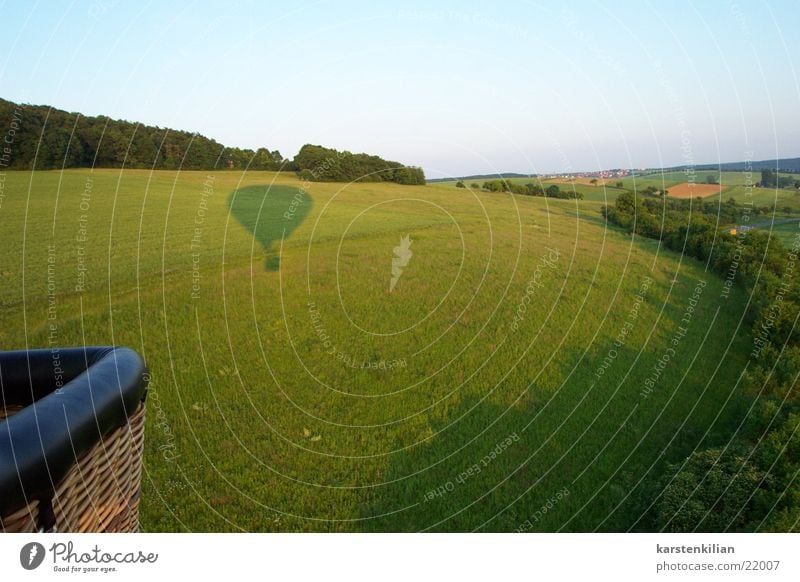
x,y
100,493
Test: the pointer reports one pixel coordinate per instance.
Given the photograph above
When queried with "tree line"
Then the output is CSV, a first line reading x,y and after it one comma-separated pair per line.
x,y
45,138
771,179
49,138
750,484
552,191
320,164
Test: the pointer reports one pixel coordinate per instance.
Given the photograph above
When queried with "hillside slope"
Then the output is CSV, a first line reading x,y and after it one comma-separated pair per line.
x,y
527,366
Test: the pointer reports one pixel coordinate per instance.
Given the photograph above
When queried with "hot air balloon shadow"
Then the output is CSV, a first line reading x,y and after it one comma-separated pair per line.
x,y
270,214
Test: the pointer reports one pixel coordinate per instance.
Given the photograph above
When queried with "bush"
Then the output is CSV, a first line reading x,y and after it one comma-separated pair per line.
x,y
713,491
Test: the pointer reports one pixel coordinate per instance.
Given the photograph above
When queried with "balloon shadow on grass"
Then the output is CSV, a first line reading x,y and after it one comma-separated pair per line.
x,y
270,213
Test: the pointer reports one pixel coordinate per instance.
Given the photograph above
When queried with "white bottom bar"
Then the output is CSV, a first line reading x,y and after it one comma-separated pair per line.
x,y
404,557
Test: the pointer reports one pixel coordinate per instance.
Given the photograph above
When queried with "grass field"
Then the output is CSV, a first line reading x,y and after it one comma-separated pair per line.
x,y
786,232
293,391
736,185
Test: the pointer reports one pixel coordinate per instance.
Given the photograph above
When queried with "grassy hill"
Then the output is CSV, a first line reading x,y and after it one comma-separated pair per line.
x,y
507,379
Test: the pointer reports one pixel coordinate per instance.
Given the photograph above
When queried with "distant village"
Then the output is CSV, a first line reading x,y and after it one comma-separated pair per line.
x,y
603,174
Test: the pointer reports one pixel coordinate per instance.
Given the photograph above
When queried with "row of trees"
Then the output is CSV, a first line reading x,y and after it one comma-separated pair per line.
x,y
552,191
674,211
48,138
770,179
319,164
751,483
45,138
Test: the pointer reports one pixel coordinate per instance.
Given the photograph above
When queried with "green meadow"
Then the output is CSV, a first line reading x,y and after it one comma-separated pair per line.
x,y
786,232
739,186
531,368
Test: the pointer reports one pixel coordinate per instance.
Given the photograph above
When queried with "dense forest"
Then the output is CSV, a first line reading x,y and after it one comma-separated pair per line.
x,y
44,138
751,483
320,164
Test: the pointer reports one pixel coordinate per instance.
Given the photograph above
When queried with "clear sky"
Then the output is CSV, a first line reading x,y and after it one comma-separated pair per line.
x,y
456,87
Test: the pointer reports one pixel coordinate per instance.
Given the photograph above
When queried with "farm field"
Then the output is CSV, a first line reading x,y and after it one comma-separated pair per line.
x,y
291,390
667,179
688,190
786,232
764,197
736,185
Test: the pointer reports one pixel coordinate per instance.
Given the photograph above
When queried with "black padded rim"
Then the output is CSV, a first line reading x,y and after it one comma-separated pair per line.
x,y
73,397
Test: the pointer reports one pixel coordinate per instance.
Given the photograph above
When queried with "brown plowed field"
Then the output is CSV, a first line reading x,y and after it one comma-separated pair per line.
x,y
688,190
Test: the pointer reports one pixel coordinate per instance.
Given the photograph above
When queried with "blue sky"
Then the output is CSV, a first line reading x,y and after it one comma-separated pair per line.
x,y
455,87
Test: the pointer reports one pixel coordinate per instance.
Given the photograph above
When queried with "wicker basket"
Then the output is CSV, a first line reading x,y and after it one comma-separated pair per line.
x,y
96,487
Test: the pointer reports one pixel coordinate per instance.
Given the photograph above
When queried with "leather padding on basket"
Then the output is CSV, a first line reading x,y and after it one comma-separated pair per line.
x,y
71,403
